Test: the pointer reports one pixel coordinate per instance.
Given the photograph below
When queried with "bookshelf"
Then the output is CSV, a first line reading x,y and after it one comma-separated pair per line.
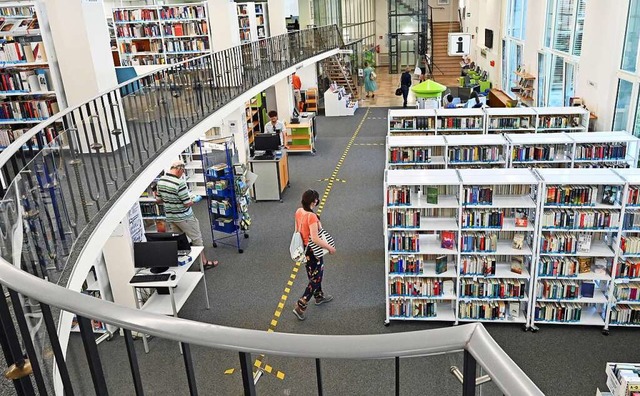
x,y
477,151
253,22
161,34
252,115
453,121
97,285
311,100
30,84
415,152
193,174
562,119
412,122
540,150
497,244
605,149
580,213
420,207
337,103
526,86
510,119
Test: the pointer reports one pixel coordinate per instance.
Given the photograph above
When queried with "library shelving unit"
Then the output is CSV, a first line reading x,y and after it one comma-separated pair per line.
x,y
311,99
337,102
497,244
194,175
421,214
227,191
30,84
609,149
415,152
540,150
252,21
624,299
562,119
580,213
482,151
526,86
510,119
412,122
161,34
455,121
622,379
252,114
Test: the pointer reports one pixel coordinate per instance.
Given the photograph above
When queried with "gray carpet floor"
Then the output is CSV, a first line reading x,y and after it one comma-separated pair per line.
x,y
246,289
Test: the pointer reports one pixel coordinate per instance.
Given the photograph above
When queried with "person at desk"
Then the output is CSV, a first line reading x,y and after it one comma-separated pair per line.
x,y
275,126
477,104
172,191
448,102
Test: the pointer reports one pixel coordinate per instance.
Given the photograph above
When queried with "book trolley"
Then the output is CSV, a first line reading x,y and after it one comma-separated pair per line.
x,y
227,192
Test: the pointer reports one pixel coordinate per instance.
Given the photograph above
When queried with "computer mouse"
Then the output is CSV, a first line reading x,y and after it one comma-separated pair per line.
x,y
173,277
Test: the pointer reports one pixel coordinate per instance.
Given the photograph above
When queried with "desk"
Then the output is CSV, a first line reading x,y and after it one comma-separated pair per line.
x,y
301,137
184,284
498,98
273,177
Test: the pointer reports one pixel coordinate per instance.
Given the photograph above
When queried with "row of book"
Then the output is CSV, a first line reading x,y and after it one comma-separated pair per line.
x,y
564,289
17,11
183,12
631,221
398,196
220,207
476,195
187,45
601,151
17,52
404,242
625,314
19,25
536,153
139,31
489,310
412,308
633,197
475,154
151,209
28,110
493,288
166,12
134,48
565,243
245,35
630,244
482,218
135,15
628,269
556,312
186,29
415,265
572,195
564,121
570,266
409,218
419,123
580,219
627,291
33,80
409,155
418,287
510,123
9,135
460,122
479,242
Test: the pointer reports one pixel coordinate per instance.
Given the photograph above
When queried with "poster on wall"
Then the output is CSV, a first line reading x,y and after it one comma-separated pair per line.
x,y
136,224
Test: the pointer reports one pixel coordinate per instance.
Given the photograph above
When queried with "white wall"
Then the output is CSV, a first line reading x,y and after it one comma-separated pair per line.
x,y
291,7
487,14
444,13
308,77
382,25
603,38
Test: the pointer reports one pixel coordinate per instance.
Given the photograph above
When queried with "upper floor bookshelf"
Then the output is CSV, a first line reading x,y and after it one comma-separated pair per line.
x,y
161,34
252,21
30,84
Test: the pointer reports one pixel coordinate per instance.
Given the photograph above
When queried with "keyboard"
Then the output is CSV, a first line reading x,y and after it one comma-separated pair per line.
x,y
264,157
144,278
184,252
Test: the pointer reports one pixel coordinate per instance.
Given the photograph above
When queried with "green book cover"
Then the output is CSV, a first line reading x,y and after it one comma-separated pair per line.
x,y
441,264
432,195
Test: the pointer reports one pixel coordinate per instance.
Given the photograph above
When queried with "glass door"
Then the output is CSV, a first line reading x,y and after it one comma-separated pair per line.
x,y
407,54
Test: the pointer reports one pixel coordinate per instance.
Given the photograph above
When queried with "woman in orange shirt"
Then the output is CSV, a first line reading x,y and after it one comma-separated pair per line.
x,y
309,223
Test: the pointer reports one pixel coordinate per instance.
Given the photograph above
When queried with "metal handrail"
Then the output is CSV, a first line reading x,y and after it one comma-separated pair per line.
x,y
471,337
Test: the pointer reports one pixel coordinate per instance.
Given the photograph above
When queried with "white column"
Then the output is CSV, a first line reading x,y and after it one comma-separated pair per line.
x,y
81,38
284,92
277,15
224,24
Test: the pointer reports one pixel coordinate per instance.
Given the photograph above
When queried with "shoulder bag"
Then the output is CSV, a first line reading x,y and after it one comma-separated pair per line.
x,y
318,250
297,248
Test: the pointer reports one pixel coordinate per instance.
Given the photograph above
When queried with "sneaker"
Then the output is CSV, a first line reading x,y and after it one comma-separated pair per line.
x,y
299,313
324,299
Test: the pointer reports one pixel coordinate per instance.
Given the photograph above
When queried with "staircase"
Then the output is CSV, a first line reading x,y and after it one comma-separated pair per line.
x,y
448,65
335,71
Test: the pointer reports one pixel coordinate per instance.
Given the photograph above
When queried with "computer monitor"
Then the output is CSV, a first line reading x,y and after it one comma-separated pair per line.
x,y
268,142
180,237
158,256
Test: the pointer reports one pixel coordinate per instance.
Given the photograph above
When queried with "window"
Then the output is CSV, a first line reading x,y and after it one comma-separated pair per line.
x,y
565,25
621,115
512,43
626,116
632,38
516,14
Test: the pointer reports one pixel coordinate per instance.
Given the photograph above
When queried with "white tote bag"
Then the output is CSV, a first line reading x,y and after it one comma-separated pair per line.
x,y
297,248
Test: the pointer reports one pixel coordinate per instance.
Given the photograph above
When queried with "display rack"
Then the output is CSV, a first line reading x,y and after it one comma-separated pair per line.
x,y
581,211
420,207
252,21
227,191
623,379
337,102
30,84
497,244
161,34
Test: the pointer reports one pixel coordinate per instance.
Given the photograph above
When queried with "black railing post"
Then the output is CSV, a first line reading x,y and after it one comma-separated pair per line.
x,y
247,374
93,357
133,362
319,377
397,359
188,365
15,357
52,331
469,375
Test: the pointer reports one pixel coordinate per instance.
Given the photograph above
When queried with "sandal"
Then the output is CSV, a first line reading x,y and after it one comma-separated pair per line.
x,y
211,264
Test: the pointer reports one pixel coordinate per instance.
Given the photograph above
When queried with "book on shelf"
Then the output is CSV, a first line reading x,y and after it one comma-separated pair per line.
x,y
448,240
584,243
517,265
584,264
514,310
518,241
432,195
587,289
441,264
521,219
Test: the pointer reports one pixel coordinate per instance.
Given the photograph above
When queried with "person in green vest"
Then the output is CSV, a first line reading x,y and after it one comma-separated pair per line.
x,y
370,85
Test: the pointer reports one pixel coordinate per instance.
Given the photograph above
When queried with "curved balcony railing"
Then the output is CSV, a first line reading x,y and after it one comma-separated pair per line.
x,y
66,174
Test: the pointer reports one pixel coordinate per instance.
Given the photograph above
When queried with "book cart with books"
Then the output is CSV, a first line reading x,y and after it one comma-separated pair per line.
x,y
510,119
30,83
624,292
161,34
421,214
227,192
580,215
497,244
